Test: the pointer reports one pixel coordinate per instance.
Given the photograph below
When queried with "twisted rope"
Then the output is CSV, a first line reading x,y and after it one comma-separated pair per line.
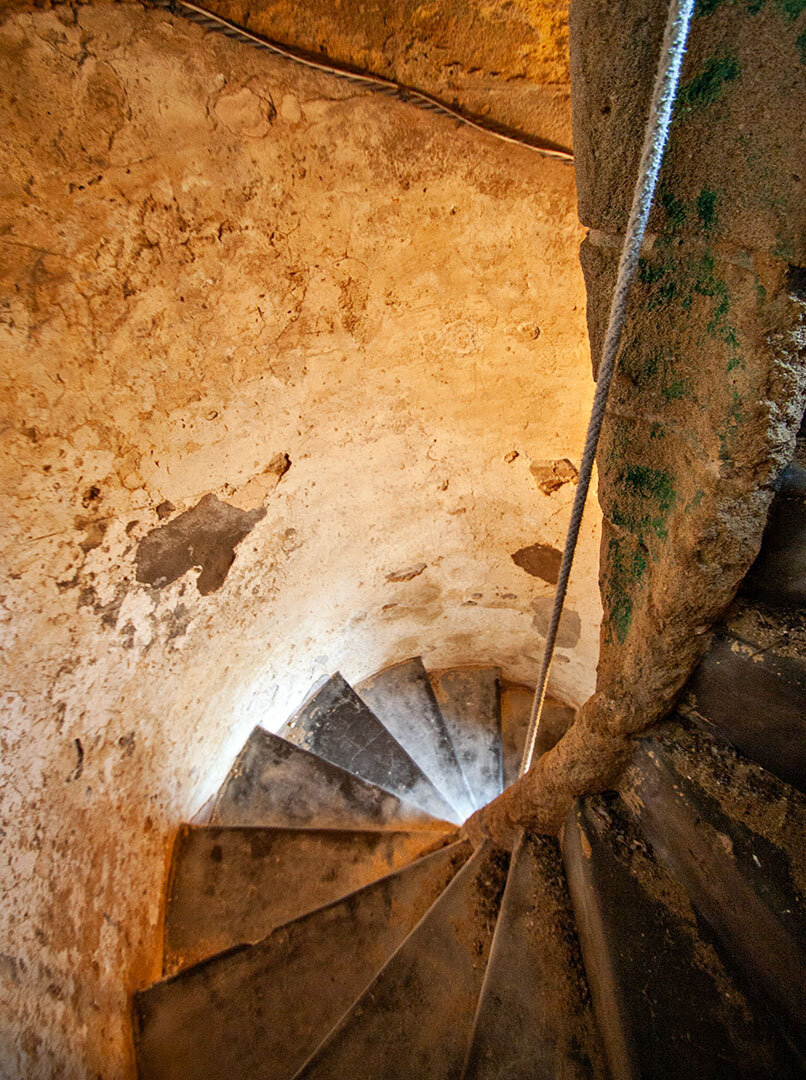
x,y
655,137
377,83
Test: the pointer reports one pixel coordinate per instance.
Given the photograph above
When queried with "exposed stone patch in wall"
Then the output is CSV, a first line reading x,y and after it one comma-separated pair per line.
x,y
205,536
408,574
539,560
551,475
570,625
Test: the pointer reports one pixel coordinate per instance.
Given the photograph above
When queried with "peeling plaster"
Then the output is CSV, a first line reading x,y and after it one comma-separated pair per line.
x,y
205,537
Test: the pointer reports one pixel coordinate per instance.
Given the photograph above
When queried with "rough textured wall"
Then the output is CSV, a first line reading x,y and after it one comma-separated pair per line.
x,y
507,62
290,375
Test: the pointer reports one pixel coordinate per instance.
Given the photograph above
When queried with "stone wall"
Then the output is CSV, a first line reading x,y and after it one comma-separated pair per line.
x,y
293,375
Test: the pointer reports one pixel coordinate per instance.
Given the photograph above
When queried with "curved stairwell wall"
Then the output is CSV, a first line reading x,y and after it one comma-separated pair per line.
x,y
322,346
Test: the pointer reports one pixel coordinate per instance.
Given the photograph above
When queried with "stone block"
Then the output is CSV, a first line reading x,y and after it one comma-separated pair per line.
x,y
733,170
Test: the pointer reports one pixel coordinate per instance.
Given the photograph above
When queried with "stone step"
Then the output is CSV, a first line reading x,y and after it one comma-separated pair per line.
x,y
733,835
470,701
534,1017
275,783
666,1005
402,699
414,1021
516,707
750,688
231,884
258,1011
335,724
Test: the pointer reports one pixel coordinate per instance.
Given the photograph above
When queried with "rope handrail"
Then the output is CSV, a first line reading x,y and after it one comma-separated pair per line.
x,y
216,23
656,136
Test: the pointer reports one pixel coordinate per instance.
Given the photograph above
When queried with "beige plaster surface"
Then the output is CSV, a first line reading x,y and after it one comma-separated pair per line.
x,y
229,281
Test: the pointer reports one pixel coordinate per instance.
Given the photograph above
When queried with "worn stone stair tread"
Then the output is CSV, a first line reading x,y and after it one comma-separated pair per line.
x,y
516,708
233,884
335,724
741,859
534,1020
750,689
470,701
414,1020
403,700
258,1011
275,783
665,1004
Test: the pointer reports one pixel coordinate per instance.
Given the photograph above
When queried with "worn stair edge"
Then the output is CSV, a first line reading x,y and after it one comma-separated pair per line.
x,y
516,707
752,696
415,1018
403,700
665,1004
234,884
534,1020
258,1011
275,783
335,724
744,883
470,701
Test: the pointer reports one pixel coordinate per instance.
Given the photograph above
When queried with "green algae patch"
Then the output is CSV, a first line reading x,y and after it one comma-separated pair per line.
x,y
676,212
647,497
707,87
655,371
671,279
626,570
789,9
650,484
706,209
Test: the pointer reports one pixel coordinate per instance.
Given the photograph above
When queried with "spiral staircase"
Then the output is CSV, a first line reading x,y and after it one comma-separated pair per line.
x,y
330,920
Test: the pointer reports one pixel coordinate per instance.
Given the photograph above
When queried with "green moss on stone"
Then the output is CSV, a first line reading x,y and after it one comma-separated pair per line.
x,y
655,371
675,210
791,9
677,389
626,569
708,7
651,484
801,43
707,87
647,497
706,209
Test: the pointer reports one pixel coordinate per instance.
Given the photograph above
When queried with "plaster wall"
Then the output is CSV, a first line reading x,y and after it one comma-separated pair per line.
x,y
287,368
